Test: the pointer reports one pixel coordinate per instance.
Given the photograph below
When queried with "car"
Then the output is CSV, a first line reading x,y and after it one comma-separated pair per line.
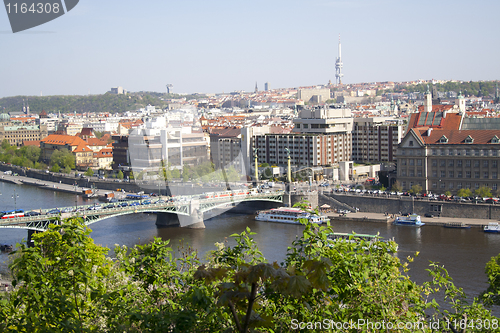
x,y
109,206
54,211
95,207
123,204
32,213
428,215
68,210
134,204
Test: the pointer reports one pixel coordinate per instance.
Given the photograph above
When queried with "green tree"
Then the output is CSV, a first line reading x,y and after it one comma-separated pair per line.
x,y
416,189
63,158
464,192
447,193
483,192
5,144
89,172
55,168
119,175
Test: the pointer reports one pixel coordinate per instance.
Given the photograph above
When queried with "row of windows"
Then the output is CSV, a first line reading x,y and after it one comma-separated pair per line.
x,y
451,152
452,185
468,163
451,174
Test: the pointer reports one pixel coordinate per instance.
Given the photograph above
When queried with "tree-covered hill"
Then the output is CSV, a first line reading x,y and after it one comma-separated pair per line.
x,y
91,103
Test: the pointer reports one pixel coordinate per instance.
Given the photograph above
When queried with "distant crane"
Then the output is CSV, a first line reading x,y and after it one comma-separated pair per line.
x,y
168,88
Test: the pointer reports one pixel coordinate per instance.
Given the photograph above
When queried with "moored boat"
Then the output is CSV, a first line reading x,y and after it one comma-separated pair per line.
x,y
290,215
413,220
492,227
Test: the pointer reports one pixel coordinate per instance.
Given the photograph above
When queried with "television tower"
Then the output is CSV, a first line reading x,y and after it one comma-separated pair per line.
x,y
338,66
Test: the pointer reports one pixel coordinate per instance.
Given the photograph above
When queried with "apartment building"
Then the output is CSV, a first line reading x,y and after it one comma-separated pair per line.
x,y
321,136
376,139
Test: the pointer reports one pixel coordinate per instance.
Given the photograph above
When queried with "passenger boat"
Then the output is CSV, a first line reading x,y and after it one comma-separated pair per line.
x,y
289,215
492,227
413,220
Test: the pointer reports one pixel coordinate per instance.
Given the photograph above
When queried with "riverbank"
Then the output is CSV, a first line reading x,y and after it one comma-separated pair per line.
x,y
382,218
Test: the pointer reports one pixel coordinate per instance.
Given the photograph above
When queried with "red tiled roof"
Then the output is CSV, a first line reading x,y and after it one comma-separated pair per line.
x,y
459,136
63,139
32,143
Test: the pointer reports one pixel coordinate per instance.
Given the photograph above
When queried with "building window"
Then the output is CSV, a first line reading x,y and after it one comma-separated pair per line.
x,y
434,173
459,186
476,186
450,163
434,152
443,139
467,152
403,173
412,173
434,163
467,174
485,163
469,139
450,186
476,164
419,173
493,164
403,161
442,185
494,152
459,174
467,163
450,174
434,185
443,174
410,143
443,152
485,175
419,162
403,184
494,186
494,175
476,174
412,161
459,163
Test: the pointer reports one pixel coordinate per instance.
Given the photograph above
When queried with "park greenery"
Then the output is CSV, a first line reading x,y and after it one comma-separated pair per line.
x,y
467,88
66,283
90,103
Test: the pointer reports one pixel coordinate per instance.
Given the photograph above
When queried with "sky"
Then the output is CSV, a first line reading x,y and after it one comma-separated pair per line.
x,y
220,46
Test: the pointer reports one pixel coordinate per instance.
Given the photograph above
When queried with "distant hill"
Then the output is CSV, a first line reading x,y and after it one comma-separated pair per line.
x,y
92,103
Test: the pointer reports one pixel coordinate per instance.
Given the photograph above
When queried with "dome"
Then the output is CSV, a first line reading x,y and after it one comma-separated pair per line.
x,y
4,117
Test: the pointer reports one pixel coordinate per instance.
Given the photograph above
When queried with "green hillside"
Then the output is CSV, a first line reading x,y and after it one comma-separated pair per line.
x,y
92,103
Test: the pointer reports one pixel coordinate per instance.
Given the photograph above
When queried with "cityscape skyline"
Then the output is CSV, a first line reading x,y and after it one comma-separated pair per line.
x,y
223,47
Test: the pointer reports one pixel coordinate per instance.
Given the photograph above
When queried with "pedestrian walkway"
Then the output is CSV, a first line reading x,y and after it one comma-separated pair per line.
x,y
379,217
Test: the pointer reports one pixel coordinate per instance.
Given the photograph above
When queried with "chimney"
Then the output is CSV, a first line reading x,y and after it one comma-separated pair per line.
x,y
429,130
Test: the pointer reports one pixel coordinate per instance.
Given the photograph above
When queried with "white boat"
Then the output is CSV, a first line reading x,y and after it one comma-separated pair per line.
x,y
413,220
492,227
289,215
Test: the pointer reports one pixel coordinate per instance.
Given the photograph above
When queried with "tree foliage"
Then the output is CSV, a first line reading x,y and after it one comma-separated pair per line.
x,y
65,283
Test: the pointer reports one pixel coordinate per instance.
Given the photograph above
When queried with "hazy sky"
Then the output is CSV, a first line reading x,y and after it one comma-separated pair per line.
x,y
221,46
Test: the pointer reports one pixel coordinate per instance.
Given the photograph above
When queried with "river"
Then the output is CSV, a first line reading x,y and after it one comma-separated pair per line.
x,y
463,252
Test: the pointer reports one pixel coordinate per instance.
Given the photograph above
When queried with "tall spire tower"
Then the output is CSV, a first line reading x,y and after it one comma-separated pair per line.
x,y
338,66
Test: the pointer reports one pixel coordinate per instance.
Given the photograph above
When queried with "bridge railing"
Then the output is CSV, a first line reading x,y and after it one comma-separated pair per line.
x,y
132,205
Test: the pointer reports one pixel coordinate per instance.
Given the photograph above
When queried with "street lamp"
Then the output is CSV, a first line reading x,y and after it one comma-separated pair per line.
x,y
15,196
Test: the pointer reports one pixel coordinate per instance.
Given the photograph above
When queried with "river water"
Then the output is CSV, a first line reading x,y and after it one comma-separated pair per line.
x,y
463,252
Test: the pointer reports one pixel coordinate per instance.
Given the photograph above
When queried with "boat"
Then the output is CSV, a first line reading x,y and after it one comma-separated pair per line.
x,y
456,225
492,227
289,215
353,237
412,220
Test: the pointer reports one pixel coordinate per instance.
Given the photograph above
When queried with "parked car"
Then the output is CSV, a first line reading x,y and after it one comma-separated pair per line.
x,y
428,215
32,213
